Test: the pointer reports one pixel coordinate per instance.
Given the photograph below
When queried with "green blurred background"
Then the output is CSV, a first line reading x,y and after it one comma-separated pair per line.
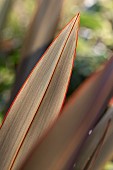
x,y
95,43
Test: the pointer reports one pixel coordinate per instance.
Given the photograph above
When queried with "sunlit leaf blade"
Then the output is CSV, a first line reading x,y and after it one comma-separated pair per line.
x,y
93,140
38,38
59,149
106,152
105,155
39,101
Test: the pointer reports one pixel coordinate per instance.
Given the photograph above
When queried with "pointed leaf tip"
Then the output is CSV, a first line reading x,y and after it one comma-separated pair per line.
x,y
39,101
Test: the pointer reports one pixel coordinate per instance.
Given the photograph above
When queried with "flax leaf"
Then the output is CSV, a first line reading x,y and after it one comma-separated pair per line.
x,y
59,149
39,101
93,140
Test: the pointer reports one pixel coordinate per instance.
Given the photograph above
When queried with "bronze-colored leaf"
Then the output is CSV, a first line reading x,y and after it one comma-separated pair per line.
x,y
106,152
93,140
59,149
38,103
